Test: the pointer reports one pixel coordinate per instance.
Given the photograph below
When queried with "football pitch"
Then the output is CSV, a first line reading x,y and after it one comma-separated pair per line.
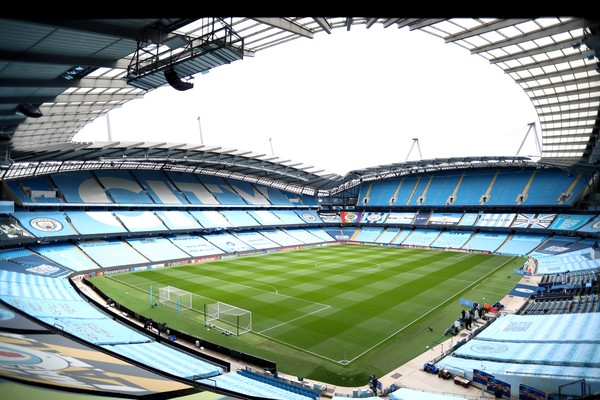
x,y
333,313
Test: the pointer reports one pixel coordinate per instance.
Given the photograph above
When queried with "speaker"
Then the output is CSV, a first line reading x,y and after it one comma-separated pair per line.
x,y
176,82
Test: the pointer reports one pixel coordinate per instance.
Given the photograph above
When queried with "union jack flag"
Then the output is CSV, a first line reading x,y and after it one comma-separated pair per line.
x,y
535,221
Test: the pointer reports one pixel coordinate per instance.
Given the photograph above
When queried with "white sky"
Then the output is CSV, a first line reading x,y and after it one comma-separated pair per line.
x,y
341,102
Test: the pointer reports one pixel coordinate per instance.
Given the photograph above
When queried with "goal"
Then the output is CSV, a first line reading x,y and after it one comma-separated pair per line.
x,y
230,319
176,298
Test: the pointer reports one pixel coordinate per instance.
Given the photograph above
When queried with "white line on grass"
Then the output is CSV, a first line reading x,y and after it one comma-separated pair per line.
x,y
302,349
292,320
422,316
267,291
324,306
492,285
179,277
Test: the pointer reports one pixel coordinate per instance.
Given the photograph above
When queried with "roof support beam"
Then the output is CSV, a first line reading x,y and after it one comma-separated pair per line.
x,y
389,22
581,135
569,128
51,122
544,33
324,24
73,98
286,25
425,23
563,84
563,103
567,123
591,109
408,22
28,99
557,74
152,35
43,58
563,150
564,44
115,97
546,63
576,92
73,109
494,26
91,83
371,22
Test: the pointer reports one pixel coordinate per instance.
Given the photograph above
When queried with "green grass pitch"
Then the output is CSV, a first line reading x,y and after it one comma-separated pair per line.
x,y
333,313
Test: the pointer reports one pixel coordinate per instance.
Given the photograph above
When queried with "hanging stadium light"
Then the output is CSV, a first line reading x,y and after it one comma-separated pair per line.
x,y
175,81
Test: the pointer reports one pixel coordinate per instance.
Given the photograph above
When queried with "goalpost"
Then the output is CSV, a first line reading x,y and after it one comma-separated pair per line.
x,y
230,319
175,298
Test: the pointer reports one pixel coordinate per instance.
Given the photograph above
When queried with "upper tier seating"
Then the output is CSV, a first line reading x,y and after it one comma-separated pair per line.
x,y
487,187
192,189
159,187
81,187
223,192
122,187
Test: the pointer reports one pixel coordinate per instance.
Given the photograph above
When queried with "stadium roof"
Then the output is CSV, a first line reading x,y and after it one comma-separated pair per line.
x,y
59,75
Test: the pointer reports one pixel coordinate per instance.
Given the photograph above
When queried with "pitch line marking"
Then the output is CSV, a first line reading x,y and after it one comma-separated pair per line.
x,y
325,307
346,361
263,290
472,286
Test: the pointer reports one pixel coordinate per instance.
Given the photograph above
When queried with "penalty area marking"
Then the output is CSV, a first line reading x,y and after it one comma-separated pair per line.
x,y
324,307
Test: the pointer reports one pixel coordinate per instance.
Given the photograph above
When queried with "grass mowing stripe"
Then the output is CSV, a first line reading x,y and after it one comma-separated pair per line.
x,y
269,298
380,301
429,312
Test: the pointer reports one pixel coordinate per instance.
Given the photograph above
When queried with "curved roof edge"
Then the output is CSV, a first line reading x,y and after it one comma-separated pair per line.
x,y
79,69
234,164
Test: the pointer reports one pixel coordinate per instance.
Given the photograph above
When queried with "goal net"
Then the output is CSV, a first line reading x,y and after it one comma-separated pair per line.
x,y
230,319
176,298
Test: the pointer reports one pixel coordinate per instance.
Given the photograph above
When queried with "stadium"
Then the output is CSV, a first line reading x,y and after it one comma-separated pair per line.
x,y
178,271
